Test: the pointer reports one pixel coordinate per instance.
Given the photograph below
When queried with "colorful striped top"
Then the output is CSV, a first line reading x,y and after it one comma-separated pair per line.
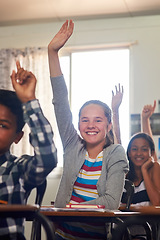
x,y
85,186
85,190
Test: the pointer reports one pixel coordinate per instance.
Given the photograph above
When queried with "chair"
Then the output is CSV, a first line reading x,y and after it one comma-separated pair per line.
x,y
129,187
36,228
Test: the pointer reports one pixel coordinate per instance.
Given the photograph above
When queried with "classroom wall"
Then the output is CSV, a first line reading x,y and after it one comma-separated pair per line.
x,y
141,33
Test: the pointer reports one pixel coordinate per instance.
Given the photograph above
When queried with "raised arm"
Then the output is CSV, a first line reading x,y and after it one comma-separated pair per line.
x,y
154,185
116,102
56,44
24,83
147,112
38,166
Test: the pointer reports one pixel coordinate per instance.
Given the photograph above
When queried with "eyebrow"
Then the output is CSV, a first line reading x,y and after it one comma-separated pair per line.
x,y
94,117
141,146
5,121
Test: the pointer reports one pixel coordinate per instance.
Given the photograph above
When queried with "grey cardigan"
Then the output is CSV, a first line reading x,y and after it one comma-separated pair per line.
x,y
115,165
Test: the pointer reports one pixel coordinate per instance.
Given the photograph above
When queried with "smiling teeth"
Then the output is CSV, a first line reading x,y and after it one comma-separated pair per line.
x,y
91,133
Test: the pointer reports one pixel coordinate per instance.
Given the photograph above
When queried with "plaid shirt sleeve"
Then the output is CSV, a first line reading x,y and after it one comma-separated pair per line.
x,y
41,138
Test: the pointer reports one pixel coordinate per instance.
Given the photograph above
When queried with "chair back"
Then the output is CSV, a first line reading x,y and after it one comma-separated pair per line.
x,y
40,191
129,186
36,229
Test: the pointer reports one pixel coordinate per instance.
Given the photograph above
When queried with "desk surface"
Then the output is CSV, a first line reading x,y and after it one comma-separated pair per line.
x,y
135,211
18,211
152,210
73,214
17,208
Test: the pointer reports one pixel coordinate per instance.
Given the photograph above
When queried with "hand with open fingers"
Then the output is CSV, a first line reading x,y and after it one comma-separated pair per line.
x,y
148,110
24,83
117,97
62,36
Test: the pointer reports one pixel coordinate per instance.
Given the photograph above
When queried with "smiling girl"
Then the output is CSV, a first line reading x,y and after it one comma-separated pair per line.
x,y
94,168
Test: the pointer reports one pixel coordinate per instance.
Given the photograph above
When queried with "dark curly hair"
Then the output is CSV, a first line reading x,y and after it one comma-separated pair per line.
x,y
10,100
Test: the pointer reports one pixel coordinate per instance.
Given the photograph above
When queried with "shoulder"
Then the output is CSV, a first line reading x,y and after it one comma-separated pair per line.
x,y
115,148
155,169
115,153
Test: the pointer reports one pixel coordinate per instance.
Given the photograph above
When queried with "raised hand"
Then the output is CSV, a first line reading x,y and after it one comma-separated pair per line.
x,y
62,36
148,110
117,97
24,83
56,43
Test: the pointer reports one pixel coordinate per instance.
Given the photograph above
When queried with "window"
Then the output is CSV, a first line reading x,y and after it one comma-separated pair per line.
x,y
93,75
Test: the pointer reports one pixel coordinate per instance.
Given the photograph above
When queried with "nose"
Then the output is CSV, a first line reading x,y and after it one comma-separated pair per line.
x,y
91,125
139,152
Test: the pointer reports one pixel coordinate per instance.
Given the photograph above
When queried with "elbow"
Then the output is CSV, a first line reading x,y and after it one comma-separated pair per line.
x,y
156,201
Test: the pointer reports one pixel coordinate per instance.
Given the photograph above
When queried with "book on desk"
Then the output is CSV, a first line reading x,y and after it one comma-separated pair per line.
x,y
76,207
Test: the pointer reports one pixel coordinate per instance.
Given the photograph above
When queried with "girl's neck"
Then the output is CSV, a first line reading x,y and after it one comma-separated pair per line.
x,y
139,176
94,151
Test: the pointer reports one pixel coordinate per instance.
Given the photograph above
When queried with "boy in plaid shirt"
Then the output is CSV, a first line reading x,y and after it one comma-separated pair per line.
x,y
19,175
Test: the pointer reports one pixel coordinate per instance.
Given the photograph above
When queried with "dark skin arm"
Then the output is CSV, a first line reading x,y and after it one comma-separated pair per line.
x,y
24,83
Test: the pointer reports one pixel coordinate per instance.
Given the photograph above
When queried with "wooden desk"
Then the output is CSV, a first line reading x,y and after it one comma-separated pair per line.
x,y
77,215
30,213
141,215
84,216
18,211
137,214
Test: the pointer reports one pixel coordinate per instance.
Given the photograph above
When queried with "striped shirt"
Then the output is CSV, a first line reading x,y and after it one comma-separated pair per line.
x,y
140,197
85,189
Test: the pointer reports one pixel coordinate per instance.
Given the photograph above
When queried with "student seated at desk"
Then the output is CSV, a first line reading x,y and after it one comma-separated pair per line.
x,y
19,175
94,167
144,169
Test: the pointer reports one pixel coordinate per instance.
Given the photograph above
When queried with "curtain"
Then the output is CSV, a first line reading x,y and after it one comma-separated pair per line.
x,y
36,61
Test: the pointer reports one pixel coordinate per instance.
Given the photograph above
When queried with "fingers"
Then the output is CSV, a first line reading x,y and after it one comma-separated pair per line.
x,y
18,65
150,108
71,27
67,28
21,76
13,78
64,27
119,89
154,105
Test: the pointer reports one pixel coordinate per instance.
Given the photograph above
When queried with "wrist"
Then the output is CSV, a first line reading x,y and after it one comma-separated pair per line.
x,y
144,170
52,51
27,99
115,111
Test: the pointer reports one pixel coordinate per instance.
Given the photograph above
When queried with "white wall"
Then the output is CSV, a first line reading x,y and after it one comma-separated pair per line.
x,y
145,54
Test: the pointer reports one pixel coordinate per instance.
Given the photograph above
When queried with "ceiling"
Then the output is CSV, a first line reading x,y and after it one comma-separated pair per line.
x,y
24,11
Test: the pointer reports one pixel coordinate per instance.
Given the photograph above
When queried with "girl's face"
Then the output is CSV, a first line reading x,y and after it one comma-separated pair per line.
x,y
93,125
140,151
